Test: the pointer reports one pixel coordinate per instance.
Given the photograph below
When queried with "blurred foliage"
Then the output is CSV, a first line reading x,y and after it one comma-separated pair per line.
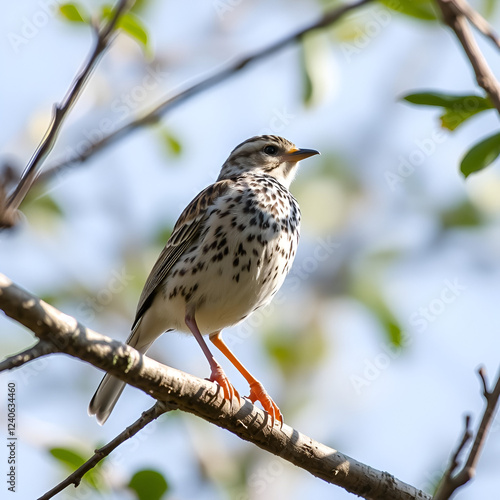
x,y
73,13
42,209
462,215
366,289
424,10
129,22
296,351
307,82
71,459
148,484
489,7
314,68
171,144
163,235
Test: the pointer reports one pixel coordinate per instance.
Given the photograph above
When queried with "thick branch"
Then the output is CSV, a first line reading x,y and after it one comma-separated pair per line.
x,y
200,397
454,17
60,113
154,115
452,481
146,418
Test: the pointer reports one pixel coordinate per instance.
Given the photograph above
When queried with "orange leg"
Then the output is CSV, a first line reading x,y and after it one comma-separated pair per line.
x,y
217,374
257,391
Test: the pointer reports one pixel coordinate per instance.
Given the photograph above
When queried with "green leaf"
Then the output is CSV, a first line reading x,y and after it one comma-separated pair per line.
x,y
72,13
140,5
148,485
462,215
368,293
42,206
481,155
314,68
449,101
132,25
451,118
171,143
307,84
419,9
459,108
48,205
70,458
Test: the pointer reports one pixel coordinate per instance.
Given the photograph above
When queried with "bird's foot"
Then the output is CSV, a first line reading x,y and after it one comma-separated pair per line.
x,y
219,376
258,393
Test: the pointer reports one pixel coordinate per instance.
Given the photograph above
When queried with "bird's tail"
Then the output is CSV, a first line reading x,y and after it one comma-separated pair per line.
x,y
110,389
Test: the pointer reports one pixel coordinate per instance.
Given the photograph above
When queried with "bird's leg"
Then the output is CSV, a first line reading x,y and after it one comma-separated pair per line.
x,y
217,373
257,391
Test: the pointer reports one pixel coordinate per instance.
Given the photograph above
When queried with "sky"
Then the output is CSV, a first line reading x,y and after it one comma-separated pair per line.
x,y
375,237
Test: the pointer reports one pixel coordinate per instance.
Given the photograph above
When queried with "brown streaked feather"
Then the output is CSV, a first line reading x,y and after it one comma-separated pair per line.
x,y
185,232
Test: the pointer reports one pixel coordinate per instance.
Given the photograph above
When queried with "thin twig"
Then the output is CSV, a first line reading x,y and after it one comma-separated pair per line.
x,y
454,461
478,21
146,418
457,21
155,114
61,111
452,481
41,348
199,397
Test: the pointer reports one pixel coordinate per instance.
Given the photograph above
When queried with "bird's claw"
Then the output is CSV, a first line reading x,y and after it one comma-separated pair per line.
x,y
219,376
258,393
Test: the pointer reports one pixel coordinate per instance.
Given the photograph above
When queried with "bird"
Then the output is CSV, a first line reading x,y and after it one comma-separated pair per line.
x,y
228,255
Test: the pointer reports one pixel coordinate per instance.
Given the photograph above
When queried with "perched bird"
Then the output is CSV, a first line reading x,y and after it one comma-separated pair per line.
x,y
228,255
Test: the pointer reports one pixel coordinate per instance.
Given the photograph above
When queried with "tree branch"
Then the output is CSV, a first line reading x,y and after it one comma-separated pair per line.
x,y
159,111
146,418
41,348
478,21
452,482
103,39
454,17
200,397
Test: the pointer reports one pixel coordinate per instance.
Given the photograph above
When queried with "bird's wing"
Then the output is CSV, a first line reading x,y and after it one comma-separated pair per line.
x,y
185,232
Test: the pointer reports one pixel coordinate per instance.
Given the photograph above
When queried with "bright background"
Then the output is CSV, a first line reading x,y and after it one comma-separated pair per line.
x,y
373,342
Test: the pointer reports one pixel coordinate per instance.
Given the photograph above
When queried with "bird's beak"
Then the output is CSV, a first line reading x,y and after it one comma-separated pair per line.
x,y
299,154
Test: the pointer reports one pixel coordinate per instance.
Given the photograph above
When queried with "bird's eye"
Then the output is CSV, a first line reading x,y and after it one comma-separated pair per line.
x,y
270,150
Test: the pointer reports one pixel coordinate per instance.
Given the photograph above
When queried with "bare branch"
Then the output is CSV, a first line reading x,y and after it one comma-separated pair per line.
x,y
200,397
146,418
454,17
452,482
478,21
103,40
154,115
41,348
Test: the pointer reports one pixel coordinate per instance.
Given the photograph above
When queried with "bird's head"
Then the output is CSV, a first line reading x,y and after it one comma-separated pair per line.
x,y
266,154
